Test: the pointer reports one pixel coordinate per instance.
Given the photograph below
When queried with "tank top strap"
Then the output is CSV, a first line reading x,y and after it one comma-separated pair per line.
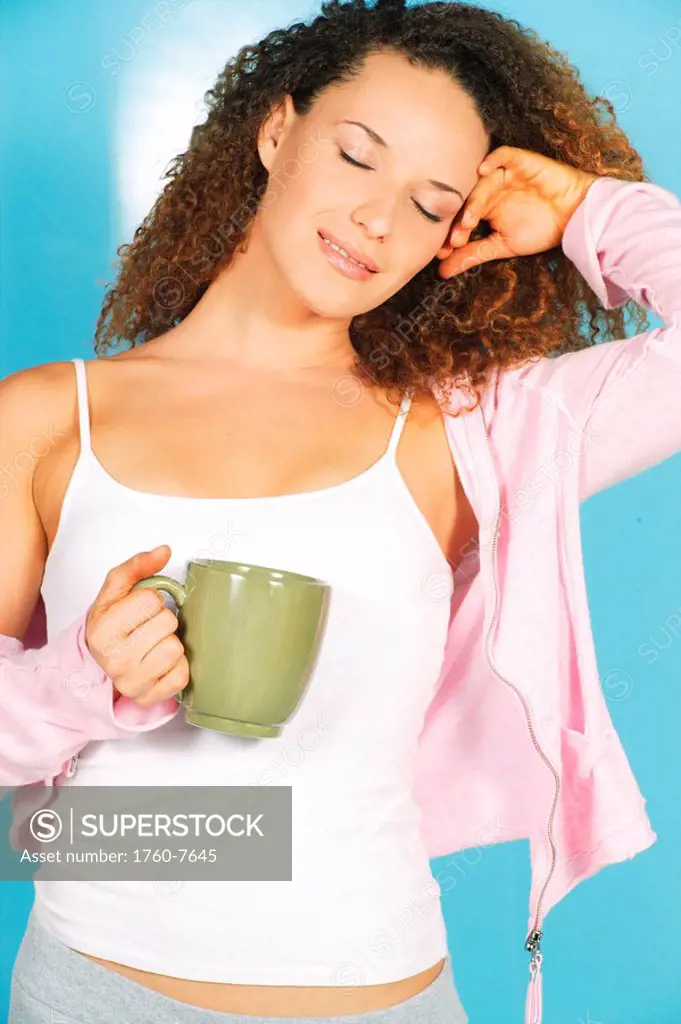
x,y
398,426
83,407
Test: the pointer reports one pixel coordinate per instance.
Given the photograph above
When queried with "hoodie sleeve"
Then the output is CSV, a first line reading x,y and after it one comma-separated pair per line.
x,y
55,700
625,239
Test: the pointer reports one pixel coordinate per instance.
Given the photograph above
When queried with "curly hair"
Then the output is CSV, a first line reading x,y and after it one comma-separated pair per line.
x,y
432,331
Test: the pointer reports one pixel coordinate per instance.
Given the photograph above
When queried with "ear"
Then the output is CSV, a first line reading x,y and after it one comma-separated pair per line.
x,y
274,128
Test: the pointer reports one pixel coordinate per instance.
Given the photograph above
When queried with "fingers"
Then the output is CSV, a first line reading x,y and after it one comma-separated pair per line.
x,y
161,659
167,685
121,579
460,260
475,208
141,683
502,156
482,250
114,629
128,649
462,254
163,672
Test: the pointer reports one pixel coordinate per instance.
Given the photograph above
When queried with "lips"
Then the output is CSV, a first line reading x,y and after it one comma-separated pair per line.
x,y
357,254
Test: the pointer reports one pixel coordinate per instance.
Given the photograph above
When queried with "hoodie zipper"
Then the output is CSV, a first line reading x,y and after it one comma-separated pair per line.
x,y
533,939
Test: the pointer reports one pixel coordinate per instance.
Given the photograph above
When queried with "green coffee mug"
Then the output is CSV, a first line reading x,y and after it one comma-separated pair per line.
x,y
251,635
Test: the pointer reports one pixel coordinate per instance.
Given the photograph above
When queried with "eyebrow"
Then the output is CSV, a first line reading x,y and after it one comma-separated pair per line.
x,y
381,142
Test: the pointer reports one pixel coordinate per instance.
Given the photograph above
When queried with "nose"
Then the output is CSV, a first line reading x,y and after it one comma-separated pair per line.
x,y
375,216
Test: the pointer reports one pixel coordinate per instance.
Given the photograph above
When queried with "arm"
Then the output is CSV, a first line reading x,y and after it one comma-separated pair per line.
x,y
625,239
54,699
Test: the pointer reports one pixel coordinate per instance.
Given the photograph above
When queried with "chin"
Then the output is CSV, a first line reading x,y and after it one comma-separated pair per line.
x,y
329,302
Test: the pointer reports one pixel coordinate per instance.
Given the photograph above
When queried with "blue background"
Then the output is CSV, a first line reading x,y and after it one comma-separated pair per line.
x,y
612,946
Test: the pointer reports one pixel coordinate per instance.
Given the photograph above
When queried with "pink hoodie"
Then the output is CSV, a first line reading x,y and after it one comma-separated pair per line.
x,y
518,741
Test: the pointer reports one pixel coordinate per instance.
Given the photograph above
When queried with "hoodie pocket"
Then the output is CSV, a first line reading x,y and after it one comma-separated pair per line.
x,y
579,753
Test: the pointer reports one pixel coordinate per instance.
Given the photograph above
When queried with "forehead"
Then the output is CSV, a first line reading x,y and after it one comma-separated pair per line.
x,y
406,104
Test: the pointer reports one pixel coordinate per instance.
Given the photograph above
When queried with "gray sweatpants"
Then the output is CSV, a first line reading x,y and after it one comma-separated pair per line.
x,y
53,984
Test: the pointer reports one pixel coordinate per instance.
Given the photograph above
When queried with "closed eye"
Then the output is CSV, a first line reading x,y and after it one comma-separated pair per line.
x,y
356,163
430,216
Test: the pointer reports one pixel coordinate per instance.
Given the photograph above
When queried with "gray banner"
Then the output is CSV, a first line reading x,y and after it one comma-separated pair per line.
x,y
130,833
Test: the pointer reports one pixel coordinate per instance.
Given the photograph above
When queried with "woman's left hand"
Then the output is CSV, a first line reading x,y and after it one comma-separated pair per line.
x,y
526,198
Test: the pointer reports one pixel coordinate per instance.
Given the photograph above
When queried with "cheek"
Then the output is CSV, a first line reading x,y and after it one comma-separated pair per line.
x,y
417,252
289,226
282,199
286,216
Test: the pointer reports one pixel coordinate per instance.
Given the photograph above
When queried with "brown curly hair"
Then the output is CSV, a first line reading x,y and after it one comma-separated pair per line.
x,y
432,331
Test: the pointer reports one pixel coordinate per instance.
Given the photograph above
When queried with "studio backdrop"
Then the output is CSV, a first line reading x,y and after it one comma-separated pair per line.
x,y
96,99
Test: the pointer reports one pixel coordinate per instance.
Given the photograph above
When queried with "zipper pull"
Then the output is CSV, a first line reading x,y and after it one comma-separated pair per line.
x,y
533,1004
71,767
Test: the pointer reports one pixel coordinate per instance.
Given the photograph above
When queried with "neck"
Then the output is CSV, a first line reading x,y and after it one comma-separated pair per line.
x,y
249,316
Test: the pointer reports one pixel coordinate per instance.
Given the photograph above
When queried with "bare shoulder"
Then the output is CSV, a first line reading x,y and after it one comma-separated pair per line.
x,y
34,398
46,393
30,381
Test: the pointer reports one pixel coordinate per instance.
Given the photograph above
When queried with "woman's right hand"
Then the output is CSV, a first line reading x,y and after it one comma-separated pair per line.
x,y
131,633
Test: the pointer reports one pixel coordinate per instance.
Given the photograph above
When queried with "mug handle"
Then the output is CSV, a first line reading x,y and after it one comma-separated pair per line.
x,y
174,588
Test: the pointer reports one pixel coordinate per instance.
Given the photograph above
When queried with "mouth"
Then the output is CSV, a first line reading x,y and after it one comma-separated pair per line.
x,y
351,255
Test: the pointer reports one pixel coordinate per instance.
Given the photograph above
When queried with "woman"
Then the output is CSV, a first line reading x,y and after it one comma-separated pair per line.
x,y
390,205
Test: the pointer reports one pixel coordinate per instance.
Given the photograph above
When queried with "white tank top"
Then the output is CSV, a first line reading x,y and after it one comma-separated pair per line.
x,y
362,890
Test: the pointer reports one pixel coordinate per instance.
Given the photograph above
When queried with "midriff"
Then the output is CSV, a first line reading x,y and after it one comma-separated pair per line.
x,y
280,1000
